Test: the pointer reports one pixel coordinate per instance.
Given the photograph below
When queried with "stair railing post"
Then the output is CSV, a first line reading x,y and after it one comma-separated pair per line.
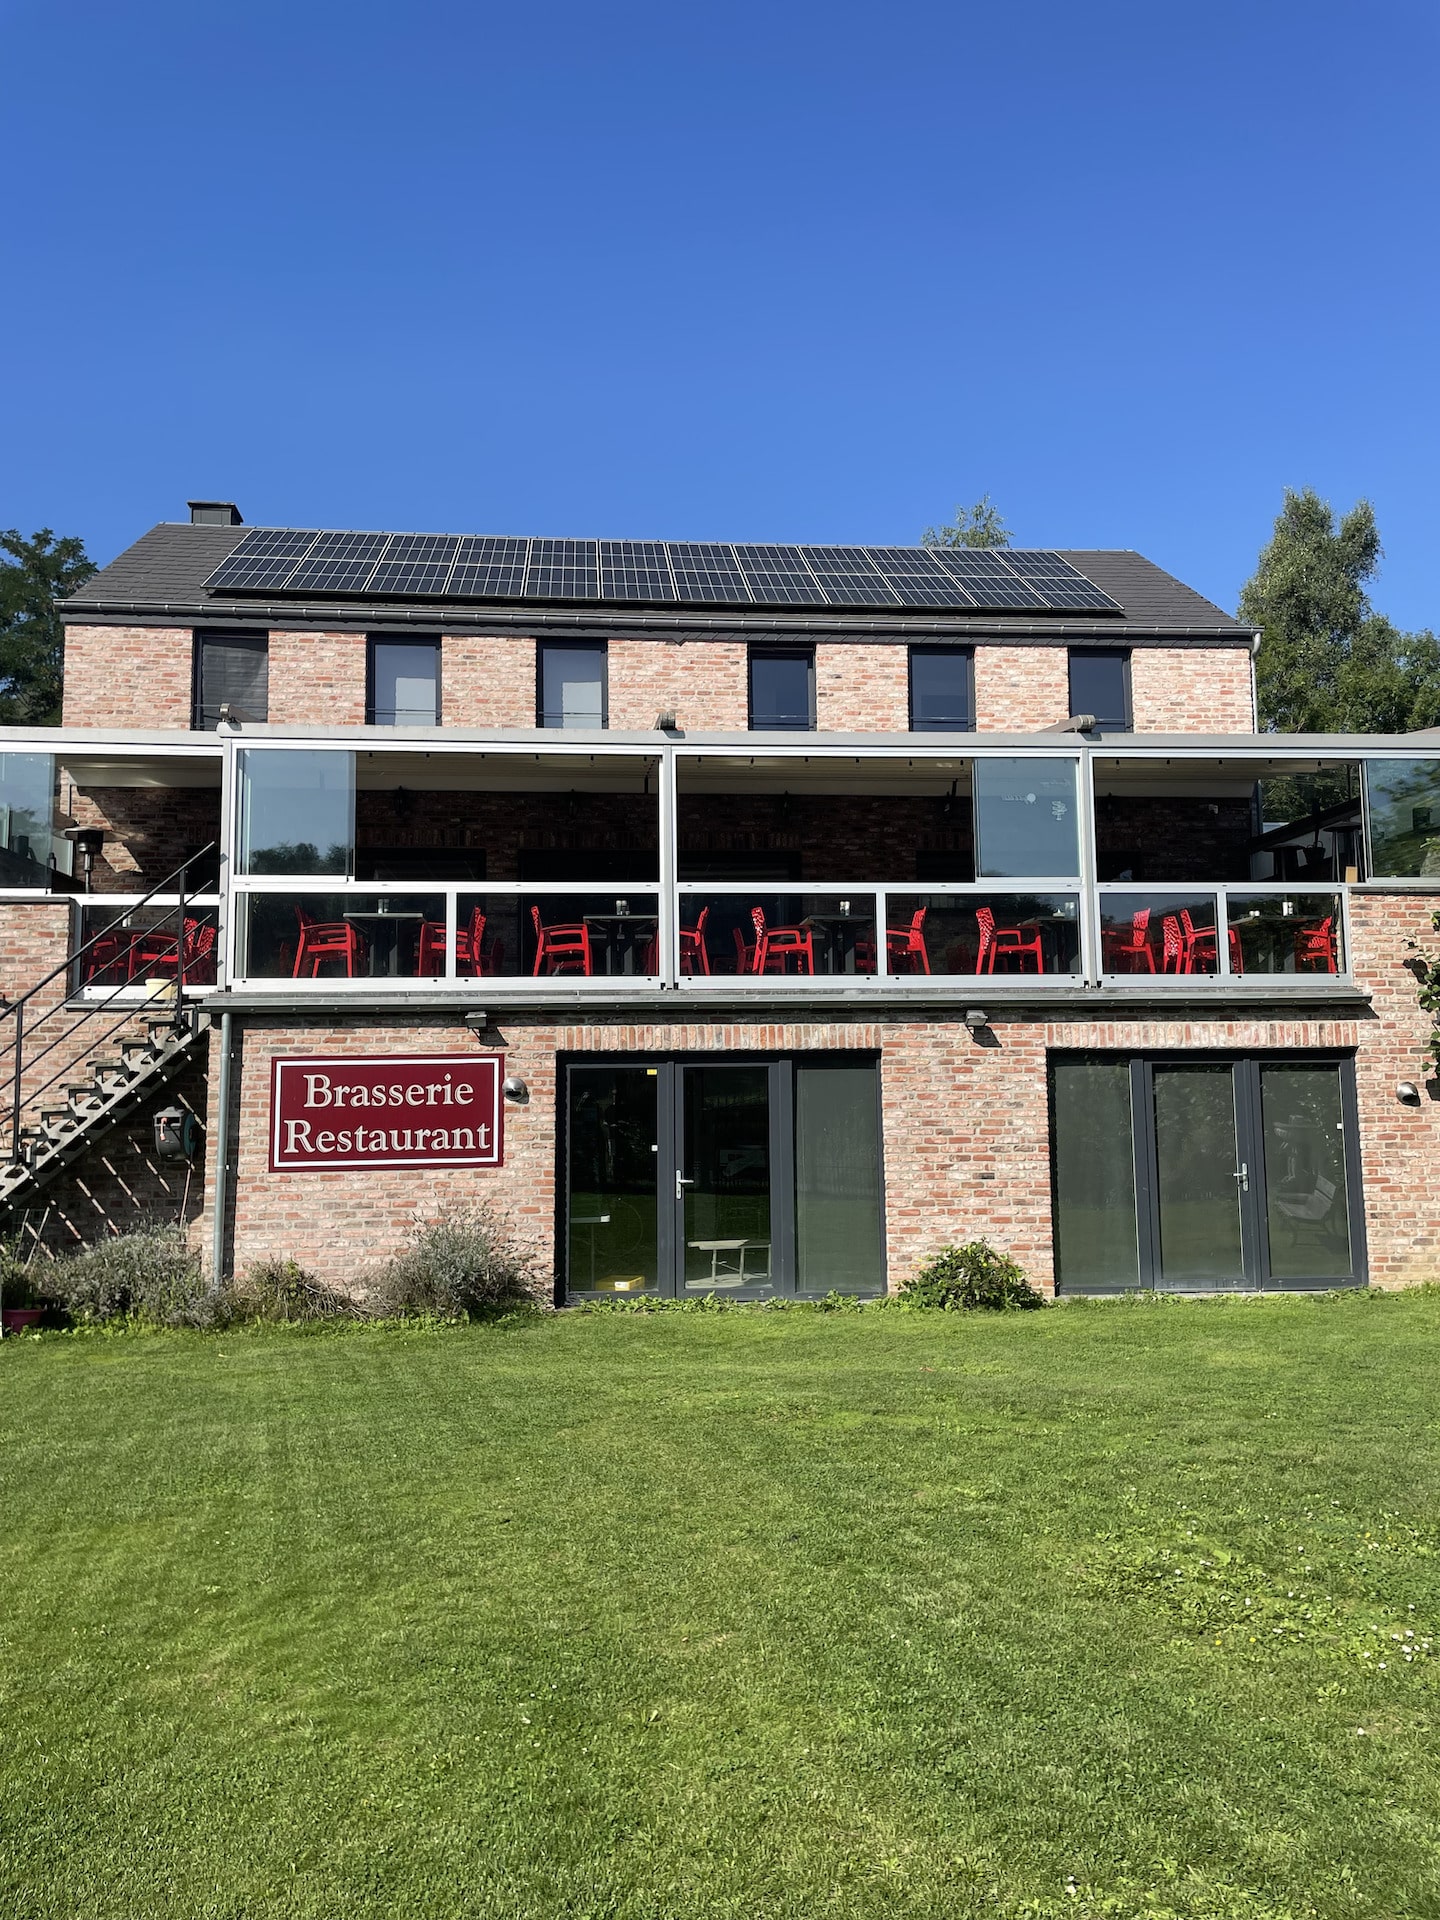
x,y
15,1089
179,1019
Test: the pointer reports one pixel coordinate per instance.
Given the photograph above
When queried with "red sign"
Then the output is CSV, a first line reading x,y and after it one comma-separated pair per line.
x,y
397,1110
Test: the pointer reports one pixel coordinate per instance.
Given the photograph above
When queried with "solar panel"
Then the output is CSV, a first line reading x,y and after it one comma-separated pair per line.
x,y
987,578
490,567
780,576
707,571
338,563
416,563
262,559
483,567
635,570
561,570
850,577
917,580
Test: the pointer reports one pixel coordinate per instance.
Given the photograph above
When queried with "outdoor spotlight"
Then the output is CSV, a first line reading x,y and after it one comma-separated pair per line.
x,y
666,722
1408,1093
515,1089
975,1018
478,1020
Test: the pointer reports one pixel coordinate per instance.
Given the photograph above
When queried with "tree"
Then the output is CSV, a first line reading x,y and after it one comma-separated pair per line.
x,y
977,526
33,581
1327,662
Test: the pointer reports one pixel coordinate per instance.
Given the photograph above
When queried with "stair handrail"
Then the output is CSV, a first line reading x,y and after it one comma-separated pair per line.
x,y
16,1008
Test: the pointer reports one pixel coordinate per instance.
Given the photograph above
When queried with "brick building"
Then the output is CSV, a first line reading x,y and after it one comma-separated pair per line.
x,y
755,919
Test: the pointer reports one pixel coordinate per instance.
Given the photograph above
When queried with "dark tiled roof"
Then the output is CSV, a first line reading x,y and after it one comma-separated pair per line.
x,y
160,580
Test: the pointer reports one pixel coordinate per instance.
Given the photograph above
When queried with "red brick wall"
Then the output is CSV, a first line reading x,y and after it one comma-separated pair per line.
x,y
487,681
147,831
1021,689
1192,689
317,679
703,681
861,689
128,676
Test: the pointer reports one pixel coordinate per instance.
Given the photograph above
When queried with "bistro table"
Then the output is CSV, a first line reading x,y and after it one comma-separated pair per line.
x,y
835,936
382,930
623,936
719,1276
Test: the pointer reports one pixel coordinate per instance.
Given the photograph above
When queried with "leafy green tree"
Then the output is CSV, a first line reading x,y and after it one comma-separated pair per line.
x,y
979,525
1328,663
34,579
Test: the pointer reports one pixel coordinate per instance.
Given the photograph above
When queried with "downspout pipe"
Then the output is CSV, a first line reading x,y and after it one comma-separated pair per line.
x,y
221,1158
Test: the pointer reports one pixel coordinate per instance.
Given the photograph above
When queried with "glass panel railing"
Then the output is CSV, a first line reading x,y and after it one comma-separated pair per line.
x,y
775,935
1158,933
982,933
525,934
142,946
341,936
1285,933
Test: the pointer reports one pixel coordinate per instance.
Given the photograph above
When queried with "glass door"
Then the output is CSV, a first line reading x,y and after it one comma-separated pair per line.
x,y
723,1185
1202,1179
612,1215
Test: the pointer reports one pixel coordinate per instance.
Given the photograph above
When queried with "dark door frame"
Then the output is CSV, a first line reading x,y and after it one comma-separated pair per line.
x,y
669,1069
1249,1137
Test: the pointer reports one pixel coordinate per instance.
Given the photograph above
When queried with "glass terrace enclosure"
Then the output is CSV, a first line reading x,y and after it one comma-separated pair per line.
x,y
606,868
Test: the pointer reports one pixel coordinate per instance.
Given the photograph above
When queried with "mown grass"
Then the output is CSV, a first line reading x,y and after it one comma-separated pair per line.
x,y
728,1615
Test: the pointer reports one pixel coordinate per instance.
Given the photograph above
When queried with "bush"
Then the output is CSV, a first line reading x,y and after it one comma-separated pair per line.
x,y
461,1265
281,1290
149,1275
962,1278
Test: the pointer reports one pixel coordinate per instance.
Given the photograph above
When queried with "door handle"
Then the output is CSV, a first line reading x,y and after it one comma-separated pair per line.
x,y
681,1182
1243,1176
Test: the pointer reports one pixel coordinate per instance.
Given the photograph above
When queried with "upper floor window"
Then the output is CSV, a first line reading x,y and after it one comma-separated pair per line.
x,y
404,688
232,670
782,689
572,685
1100,684
942,690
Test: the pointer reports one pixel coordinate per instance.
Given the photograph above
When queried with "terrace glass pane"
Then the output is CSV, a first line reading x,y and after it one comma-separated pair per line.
x,y
138,948
789,935
1159,933
342,936
1096,1233
1285,933
297,811
27,788
1026,818
838,1212
1404,797
980,933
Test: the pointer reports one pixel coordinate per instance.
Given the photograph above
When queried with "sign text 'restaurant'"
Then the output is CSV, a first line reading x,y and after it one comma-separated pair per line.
x,y
395,1110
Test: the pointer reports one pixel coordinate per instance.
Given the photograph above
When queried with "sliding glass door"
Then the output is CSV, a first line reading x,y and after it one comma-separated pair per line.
x,y
1201,1174
744,1178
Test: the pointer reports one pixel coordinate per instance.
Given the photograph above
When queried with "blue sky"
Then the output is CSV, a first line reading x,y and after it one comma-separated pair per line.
x,y
788,271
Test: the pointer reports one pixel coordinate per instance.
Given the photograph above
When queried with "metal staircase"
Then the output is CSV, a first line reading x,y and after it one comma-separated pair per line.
x,y
75,1094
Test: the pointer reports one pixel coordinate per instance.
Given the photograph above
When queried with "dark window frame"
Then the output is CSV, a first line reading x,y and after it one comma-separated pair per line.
x,y
543,648
257,639
805,653
964,654
432,641
1105,723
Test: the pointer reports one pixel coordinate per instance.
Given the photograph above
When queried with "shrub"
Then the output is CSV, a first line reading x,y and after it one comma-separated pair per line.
x,y
148,1275
461,1265
281,1290
975,1275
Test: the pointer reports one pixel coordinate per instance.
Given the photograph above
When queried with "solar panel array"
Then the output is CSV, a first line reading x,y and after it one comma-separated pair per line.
x,y
448,566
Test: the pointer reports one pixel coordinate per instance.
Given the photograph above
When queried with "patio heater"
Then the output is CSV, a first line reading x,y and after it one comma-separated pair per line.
x,y
87,842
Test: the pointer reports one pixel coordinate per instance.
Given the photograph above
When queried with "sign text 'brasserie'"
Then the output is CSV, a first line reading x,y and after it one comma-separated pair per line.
x,y
397,1110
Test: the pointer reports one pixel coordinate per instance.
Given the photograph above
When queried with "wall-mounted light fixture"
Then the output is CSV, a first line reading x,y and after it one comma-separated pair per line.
x,y
514,1088
975,1018
1408,1094
666,722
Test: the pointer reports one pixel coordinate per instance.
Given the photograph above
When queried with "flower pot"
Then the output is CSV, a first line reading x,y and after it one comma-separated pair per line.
x,y
17,1319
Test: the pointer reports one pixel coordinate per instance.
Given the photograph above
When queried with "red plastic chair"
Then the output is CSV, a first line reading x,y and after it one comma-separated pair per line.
x,y
1315,947
561,949
776,947
154,953
469,954
1009,944
1135,954
905,949
744,952
107,962
322,940
1173,946
1197,946
694,954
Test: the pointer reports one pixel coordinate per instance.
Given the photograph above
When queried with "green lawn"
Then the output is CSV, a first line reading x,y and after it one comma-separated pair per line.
x,y
740,1614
